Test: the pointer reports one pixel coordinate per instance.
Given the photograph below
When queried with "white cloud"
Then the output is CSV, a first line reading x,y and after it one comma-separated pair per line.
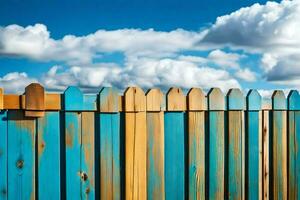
x,y
15,82
246,75
223,59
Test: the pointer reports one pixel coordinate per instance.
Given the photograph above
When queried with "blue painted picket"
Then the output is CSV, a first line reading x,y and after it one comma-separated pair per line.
x,y
108,146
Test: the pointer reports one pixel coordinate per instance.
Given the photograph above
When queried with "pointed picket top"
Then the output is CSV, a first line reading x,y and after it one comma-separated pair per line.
x,y
135,100
1,98
216,100
254,100
294,100
108,100
73,99
196,100
176,100
155,100
235,99
278,100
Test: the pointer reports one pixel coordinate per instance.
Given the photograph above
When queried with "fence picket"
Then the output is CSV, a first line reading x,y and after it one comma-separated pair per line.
x,y
3,155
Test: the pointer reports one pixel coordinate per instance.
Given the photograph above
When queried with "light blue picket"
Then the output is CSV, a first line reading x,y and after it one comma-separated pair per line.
x,y
279,146
174,155
216,146
49,156
252,148
21,156
3,155
294,142
109,126
236,104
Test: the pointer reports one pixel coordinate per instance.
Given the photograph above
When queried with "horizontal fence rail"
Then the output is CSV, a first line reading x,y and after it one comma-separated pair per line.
x,y
149,145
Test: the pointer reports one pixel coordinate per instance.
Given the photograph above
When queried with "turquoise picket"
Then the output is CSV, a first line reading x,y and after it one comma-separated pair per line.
x,y
174,155
21,156
252,147
236,104
48,141
294,142
3,155
216,144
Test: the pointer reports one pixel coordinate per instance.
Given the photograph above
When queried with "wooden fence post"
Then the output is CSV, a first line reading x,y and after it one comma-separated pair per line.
x,y
236,143
175,144
155,144
216,107
196,143
109,126
279,146
253,146
3,149
294,142
135,144
34,100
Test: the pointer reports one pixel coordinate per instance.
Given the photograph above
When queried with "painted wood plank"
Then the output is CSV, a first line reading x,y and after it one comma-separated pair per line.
x,y
253,138
3,155
110,169
196,144
216,149
48,142
87,153
266,155
174,155
21,156
279,147
73,99
108,100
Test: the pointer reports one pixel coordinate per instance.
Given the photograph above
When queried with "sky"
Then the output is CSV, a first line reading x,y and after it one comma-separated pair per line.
x,y
90,44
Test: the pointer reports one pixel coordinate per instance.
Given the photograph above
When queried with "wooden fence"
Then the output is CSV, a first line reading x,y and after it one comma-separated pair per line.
x,y
149,146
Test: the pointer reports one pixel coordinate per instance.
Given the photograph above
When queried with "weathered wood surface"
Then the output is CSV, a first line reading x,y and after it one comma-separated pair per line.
x,y
3,155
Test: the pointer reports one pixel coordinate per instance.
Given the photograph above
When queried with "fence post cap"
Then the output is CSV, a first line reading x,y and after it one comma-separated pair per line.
x,y
278,100
73,99
196,100
108,100
155,100
135,99
176,100
34,100
216,99
294,100
253,100
236,99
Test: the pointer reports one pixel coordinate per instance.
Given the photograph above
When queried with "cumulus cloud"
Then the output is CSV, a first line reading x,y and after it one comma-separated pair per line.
x,y
223,59
246,75
15,82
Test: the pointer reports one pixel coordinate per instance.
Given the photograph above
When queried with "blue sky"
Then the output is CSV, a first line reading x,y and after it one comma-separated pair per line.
x,y
245,44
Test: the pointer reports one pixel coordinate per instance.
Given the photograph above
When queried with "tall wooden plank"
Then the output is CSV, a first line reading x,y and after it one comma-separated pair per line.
x,y
216,149
279,146
266,155
253,132
73,101
48,142
87,153
135,144
294,142
155,145
3,155
175,145
21,156
110,180
236,160
196,143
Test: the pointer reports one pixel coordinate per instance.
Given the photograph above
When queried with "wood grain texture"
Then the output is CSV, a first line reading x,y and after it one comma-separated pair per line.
x,y
35,97
21,156
216,100
48,143
176,101
196,152
73,99
155,100
3,155
1,98
196,100
155,156
174,155
12,101
135,100
108,100
266,155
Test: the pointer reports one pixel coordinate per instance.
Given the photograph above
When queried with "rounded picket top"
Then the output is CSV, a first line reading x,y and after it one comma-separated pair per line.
x,y
254,100
34,97
216,99
135,100
196,100
236,100
155,100
176,100
108,100
294,100
73,99
278,100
